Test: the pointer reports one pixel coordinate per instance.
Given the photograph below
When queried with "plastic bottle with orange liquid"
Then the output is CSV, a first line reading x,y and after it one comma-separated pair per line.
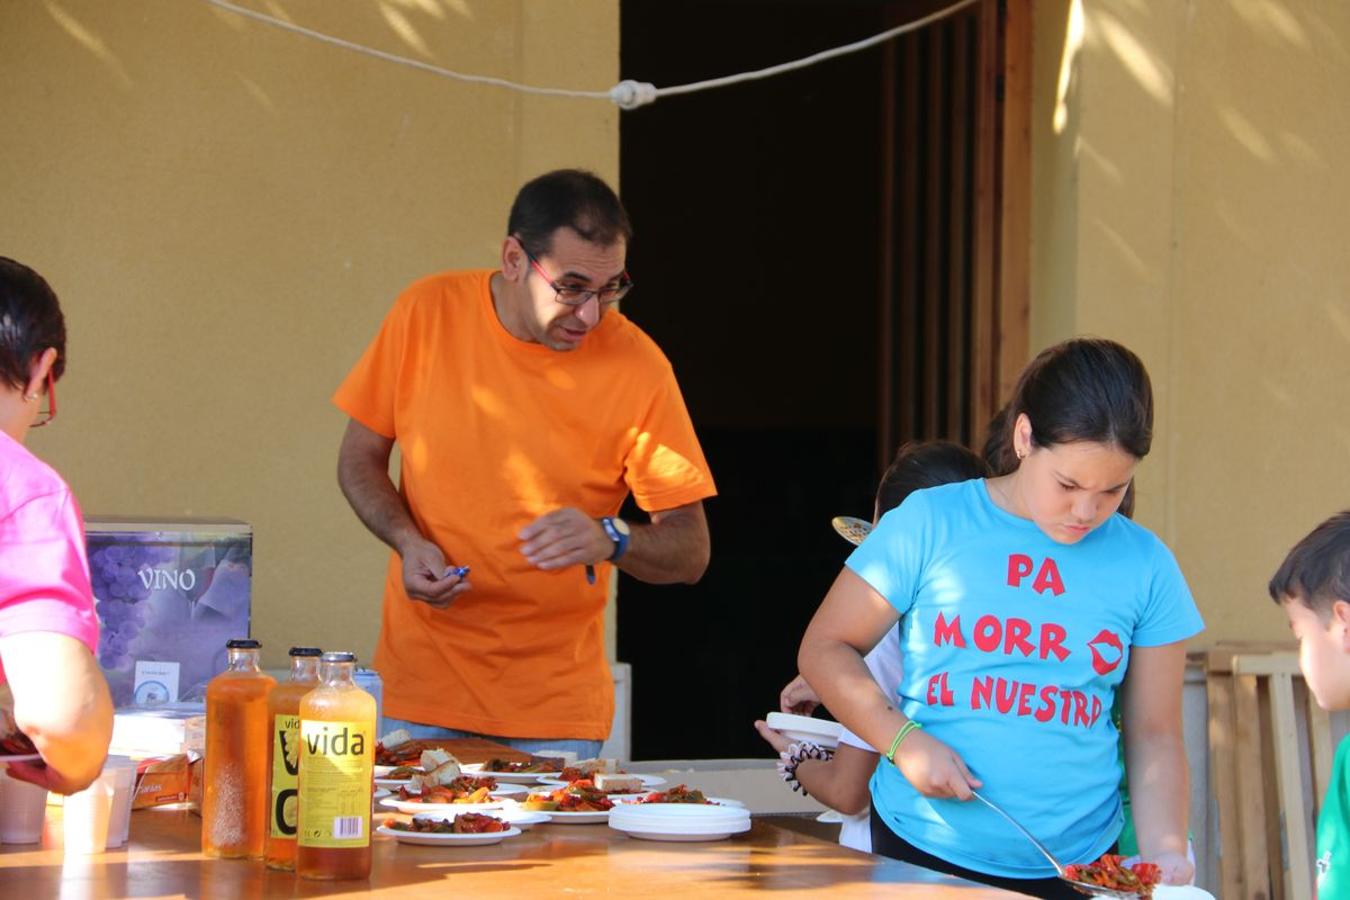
x,y
234,783
337,769
283,756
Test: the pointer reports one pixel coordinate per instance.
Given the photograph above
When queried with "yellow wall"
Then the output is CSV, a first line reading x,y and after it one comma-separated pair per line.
x,y
1190,201
227,210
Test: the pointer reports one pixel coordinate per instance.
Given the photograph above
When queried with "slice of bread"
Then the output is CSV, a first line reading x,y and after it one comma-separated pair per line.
x,y
443,774
621,784
436,757
395,738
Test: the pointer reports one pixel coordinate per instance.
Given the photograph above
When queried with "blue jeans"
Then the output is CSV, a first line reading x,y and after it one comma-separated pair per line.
x,y
582,748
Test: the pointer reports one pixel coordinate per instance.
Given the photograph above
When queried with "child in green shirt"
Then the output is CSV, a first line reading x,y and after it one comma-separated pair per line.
x,y
1313,586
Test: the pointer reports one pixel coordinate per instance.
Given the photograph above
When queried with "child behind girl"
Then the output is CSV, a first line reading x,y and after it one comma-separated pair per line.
x,y
839,779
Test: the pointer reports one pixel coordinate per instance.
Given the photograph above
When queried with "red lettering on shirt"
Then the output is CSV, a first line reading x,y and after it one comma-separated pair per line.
x,y
1018,629
1052,641
982,692
938,693
1047,710
1024,695
945,632
1048,578
988,633
1019,567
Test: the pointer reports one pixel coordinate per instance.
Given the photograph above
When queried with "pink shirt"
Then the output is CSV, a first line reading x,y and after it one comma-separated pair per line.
x,y
44,575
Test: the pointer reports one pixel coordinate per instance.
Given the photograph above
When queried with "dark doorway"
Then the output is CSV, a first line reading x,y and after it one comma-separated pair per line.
x,y
756,209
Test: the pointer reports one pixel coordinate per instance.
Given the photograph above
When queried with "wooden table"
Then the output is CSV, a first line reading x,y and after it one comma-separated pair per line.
x,y
163,859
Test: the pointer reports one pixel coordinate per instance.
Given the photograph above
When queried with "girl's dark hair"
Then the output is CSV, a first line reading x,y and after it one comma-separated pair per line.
x,y
1316,572
569,198
30,322
923,465
1086,389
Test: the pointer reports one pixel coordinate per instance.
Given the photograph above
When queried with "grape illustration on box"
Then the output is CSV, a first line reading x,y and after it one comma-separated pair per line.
x,y
171,591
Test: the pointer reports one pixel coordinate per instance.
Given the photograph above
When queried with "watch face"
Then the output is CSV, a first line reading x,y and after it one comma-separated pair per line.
x,y
621,526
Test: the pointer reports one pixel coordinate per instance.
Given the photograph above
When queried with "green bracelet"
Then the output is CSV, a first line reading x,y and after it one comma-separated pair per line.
x,y
900,735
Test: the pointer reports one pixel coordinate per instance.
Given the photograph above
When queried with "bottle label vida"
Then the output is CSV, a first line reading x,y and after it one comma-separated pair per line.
x,y
336,760
283,812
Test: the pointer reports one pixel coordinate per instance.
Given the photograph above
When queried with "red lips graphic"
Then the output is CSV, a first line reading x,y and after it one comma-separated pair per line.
x,y
1100,664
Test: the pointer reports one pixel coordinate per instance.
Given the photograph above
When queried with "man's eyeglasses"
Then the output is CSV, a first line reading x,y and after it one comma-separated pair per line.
x,y
45,416
576,295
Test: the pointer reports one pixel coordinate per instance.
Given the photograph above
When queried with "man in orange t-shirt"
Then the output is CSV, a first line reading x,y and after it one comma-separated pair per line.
x,y
525,409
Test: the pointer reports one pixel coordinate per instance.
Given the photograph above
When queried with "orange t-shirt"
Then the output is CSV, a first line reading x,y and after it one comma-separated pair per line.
x,y
493,433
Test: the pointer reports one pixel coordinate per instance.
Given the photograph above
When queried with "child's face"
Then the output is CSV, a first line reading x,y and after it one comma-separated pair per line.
x,y
1323,651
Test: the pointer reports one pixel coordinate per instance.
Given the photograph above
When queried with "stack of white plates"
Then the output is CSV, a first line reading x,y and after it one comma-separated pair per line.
x,y
679,821
805,728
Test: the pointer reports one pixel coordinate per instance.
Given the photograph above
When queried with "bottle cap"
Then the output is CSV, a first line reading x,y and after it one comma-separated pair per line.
x,y
343,656
306,651
243,644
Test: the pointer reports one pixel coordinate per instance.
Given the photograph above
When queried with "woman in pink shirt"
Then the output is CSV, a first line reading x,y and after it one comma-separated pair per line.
x,y
48,630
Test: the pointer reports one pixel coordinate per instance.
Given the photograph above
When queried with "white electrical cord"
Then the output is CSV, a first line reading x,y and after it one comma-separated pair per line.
x,y
628,94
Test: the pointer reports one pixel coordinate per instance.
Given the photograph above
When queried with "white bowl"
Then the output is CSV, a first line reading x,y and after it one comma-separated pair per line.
x,y
805,728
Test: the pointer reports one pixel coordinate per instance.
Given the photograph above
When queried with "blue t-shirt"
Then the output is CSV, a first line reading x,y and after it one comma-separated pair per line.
x,y
1013,647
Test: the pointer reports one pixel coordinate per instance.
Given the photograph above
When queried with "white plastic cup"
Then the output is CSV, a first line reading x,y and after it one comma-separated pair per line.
x,y
23,808
123,769
86,816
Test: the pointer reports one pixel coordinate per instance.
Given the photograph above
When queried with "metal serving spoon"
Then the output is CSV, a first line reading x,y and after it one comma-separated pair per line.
x,y
1092,890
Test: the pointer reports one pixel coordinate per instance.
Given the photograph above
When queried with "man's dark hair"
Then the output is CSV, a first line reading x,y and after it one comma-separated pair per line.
x,y
923,465
30,322
1316,572
569,198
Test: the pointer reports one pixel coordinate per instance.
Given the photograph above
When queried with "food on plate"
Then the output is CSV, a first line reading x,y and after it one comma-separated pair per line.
x,y
1109,872
589,768
579,796
618,784
463,789
535,764
464,823
678,794
439,769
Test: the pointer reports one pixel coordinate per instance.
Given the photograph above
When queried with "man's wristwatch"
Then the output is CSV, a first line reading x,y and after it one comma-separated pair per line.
x,y
618,532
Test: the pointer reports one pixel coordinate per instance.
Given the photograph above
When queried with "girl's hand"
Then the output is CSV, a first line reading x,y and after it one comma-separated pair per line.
x,y
933,768
1175,867
775,739
797,697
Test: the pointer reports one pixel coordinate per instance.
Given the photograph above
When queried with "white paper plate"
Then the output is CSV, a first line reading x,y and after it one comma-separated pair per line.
x,y
447,840
578,818
391,783
805,728
682,836
412,807
476,769
1181,892
381,793
677,816
648,781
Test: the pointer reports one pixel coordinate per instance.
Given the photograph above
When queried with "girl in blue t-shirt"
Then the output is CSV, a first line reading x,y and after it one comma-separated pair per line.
x,y
1027,602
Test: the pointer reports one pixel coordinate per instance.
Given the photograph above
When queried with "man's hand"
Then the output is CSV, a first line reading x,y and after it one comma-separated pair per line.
x,y
424,576
564,537
798,698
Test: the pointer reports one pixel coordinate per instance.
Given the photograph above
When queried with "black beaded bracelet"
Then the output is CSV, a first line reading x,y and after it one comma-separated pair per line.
x,y
795,755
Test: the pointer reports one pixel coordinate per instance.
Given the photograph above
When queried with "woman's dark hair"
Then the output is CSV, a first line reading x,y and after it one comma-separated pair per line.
x,y
1316,572
30,322
569,198
923,465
